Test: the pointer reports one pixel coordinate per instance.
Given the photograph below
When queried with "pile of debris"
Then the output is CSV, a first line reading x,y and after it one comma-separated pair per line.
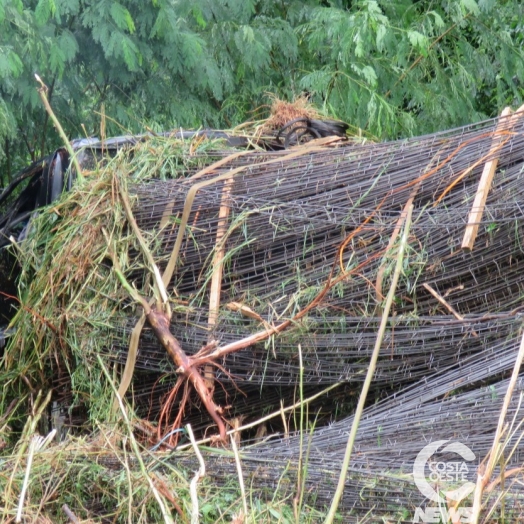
x,y
270,269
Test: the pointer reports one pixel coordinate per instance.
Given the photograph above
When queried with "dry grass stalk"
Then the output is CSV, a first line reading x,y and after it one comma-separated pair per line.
x,y
129,368
165,513
40,404
42,91
484,473
37,443
240,474
162,299
391,243
265,418
282,112
371,371
301,467
198,475
70,515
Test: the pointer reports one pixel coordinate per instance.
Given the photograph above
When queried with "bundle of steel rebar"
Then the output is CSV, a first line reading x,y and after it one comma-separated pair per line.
x,y
298,220
281,262
297,223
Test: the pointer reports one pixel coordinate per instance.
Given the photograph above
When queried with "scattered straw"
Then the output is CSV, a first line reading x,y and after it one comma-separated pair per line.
x,y
283,112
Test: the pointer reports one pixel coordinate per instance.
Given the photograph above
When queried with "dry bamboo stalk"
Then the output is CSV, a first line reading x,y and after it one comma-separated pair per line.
x,y
477,210
474,166
216,279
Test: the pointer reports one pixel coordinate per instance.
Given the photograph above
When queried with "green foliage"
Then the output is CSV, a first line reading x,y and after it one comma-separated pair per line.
x,y
390,68
399,69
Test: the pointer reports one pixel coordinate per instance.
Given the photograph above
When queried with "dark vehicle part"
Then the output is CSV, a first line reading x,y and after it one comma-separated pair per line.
x,y
48,177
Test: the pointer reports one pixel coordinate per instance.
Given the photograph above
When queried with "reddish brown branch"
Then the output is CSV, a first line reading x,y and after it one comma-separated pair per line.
x,y
160,325
204,357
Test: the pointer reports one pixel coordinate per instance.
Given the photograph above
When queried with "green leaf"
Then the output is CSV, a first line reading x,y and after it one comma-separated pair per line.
x,y
248,34
487,5
44,10
122,17
373,7
7,123
359,45
208,509
317,81
381,33
419,41
57,59
10,63
193,48
438,19
132,57
367,72
68,45
197,14
18,4
470,6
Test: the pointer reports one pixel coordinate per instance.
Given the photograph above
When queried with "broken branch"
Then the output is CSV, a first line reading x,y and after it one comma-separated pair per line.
x,y
477,210
448,306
